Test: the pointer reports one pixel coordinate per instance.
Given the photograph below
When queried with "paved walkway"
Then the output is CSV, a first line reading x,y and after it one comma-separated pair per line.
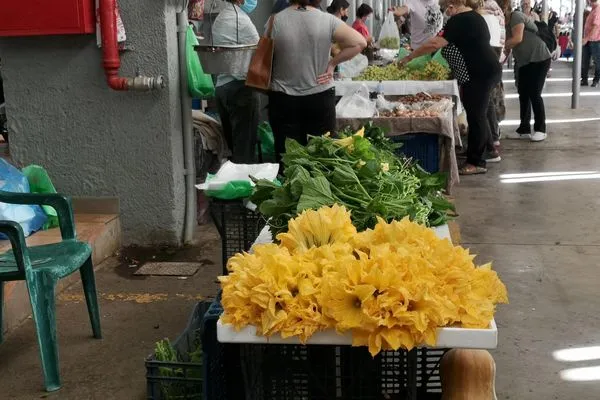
x,y
543,237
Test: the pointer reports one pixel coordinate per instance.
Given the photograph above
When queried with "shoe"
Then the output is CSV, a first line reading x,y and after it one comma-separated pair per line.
x,y
538,137
594,84
493,157
584,82
517,136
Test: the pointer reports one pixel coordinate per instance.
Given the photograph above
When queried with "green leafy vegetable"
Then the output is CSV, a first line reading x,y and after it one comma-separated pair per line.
x,y
361,173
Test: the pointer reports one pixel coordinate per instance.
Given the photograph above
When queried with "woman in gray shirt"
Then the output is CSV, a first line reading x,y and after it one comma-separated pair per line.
x,y
302,97
532,59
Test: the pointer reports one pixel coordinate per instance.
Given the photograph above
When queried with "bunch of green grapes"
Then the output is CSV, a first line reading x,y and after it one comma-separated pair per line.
x,y
389,43
434,71
388,73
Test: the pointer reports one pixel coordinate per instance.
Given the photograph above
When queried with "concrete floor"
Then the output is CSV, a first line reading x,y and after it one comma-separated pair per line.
x,y
543,239
541,235
136,312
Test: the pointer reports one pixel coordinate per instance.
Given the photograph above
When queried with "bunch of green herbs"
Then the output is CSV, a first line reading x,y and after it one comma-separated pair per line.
x,y
369,180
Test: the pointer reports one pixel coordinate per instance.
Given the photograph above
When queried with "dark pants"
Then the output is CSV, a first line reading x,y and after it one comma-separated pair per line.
x,y
476,99
238,108
590,51
296,117
532,78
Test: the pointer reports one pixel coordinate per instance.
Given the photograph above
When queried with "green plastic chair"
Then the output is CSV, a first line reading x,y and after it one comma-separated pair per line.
x,y
41,267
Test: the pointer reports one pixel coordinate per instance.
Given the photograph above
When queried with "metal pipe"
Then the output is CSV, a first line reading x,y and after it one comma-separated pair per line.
x,y
578,39
110,54
188,134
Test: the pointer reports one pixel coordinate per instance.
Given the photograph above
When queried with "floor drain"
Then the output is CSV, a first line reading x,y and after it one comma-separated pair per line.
x,y
168,269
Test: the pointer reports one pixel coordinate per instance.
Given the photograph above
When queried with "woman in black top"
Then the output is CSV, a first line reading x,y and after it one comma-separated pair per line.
x,y
466,43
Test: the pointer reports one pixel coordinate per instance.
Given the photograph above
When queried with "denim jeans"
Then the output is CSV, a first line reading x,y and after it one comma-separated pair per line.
x,y
591,51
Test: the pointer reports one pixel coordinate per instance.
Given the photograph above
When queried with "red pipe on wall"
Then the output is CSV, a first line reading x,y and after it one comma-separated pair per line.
x,y
110,47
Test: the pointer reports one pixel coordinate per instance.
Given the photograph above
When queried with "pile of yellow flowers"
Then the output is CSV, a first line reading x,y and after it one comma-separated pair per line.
x,y
392,286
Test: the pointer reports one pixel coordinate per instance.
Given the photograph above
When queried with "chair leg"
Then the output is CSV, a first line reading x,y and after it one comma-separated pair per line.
x,y
43,305
89,287
1,311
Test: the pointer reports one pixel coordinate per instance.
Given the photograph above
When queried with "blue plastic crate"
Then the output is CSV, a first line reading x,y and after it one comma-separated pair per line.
x,y
424,148
223,378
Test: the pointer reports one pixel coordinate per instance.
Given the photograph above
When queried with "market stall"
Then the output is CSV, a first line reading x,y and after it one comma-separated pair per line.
x,y
401,116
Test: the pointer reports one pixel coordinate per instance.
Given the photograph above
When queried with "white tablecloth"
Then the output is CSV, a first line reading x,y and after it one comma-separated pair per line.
x,y
396,88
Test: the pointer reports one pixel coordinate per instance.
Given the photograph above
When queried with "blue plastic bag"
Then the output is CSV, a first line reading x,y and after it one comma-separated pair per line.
x,y
31,218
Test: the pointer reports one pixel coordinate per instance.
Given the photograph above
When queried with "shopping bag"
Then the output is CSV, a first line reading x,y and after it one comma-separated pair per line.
x,y
403,52
389,36
39,182
267,142
234,181
200,84
419,62
30,217
439,58
353,67
261,65
356,104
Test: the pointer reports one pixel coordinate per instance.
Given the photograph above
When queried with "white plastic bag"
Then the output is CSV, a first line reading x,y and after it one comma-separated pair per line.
x,y
384,105
353,67
389,36
356,104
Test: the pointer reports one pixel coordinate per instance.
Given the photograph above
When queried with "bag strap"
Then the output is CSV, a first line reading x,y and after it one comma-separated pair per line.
x,y
270,27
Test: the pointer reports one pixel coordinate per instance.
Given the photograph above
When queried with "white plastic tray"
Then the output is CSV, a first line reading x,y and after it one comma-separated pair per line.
x,y
447,337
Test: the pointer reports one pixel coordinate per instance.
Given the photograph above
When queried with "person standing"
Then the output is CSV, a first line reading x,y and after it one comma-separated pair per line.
x,y
360,24
339,9
591,45
237,104
532,62
302,97
426,20
475,64
528,10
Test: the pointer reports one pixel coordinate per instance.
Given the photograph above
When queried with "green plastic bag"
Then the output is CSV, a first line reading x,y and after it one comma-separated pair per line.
x,y
403,52
200,84
419,62
437,57
267,142
39,182
232,190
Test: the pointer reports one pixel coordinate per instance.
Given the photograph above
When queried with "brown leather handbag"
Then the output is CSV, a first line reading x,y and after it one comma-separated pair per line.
x,y
261,66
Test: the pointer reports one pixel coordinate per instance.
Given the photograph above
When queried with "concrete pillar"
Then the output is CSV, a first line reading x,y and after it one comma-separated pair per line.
x,y
577,59
98,142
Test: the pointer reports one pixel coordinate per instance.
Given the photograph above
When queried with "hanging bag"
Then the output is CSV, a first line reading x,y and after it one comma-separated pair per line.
x,y
200,84
261,66
389,37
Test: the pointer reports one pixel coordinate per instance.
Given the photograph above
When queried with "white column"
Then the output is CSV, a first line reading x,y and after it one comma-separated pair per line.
x,y
577,41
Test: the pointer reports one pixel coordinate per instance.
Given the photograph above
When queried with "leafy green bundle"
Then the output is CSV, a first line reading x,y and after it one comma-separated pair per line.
x,y
368,180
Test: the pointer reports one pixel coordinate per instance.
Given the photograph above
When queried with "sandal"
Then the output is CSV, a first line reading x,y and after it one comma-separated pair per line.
x,y
469,169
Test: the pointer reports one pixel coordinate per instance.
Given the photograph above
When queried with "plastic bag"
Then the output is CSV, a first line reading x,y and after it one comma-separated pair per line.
x,y
30,217
384,105
353,67
403,52
200,84
419,62
389,36
39,182
437,57
267,142
233,181
356,104
388,55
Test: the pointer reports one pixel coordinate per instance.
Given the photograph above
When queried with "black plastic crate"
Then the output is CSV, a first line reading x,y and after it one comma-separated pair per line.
x,y
237,225
316,372
223,379
319,372
181,380
424,148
